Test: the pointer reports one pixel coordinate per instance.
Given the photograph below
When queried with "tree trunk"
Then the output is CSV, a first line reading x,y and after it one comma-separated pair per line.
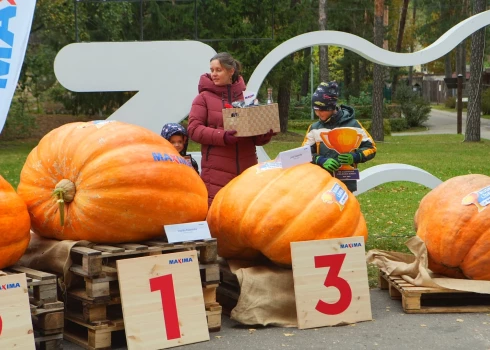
x,y
283,99
399,40
458,60
357,77
463,59
347,65
410,69
472,132
322,21
378,75
305,81
448,69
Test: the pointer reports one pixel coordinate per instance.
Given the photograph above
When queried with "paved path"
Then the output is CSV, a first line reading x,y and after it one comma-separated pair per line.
x,y
444,122
391,329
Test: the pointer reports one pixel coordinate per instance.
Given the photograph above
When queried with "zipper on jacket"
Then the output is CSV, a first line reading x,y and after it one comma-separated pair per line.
x,y
207,152
237,161
229,93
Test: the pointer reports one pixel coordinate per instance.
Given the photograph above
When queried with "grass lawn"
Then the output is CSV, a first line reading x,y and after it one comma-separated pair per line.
x,y
389,209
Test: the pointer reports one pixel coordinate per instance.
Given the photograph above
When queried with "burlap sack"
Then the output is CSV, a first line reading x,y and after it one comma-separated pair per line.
x,y
414,269
251,121
266,295
49,255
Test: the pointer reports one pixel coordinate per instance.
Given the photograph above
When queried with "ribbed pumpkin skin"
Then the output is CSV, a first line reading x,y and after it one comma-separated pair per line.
x,y
123,194
457,236
262,212
15,225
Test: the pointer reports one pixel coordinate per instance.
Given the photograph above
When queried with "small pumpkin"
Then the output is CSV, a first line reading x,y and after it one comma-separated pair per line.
x,y
266,208
109,182
15,225
453,221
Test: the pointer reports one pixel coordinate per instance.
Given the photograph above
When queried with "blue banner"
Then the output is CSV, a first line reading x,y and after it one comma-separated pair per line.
x,y
15,26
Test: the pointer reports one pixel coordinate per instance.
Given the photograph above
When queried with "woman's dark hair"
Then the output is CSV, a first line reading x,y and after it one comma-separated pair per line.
x,y
227,61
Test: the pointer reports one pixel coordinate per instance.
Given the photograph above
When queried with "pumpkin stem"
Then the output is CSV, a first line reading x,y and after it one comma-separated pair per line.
x,y
65,192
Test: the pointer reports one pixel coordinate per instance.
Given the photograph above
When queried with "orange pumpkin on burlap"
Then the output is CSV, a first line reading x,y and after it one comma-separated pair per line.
x,y
453,220
15,225
265,209
113,181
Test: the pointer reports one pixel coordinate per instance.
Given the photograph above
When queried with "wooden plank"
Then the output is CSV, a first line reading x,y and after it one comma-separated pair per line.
x,y
112,325
132,246
108,249
33,273
46,293
85,251
47,321
178,272
309,260
81,294
214,320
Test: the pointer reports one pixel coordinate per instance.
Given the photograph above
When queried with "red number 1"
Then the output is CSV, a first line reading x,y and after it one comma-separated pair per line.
x,y
165,284
335,262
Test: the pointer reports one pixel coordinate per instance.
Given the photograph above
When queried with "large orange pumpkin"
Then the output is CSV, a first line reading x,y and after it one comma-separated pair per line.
x,y
265,209
113,181
14,225
453,220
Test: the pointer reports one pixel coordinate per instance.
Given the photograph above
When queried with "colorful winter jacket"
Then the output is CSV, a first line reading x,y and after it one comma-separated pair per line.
x,y
220,163
344,117
172,129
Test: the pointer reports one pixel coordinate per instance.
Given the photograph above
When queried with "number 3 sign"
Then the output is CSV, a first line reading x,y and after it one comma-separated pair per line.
x,y
162,300
330,282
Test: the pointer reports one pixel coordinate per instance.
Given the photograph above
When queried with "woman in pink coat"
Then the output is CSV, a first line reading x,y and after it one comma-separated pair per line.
x,y
224,156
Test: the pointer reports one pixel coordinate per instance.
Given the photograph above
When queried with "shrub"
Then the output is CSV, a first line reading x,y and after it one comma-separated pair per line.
x,y
363,105
485,101
300,124
414,108
450,102
398,124
19,123
368,122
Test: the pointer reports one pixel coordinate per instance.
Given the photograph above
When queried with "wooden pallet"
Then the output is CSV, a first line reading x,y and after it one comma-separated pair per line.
x,y
424,300
93,302
228,291
94,336
47,312
89,262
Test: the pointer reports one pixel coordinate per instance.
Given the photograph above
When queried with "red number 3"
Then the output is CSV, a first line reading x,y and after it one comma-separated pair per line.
x,y
335,262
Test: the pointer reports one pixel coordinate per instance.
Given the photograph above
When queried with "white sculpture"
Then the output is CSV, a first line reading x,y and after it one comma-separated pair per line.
x,y
380,174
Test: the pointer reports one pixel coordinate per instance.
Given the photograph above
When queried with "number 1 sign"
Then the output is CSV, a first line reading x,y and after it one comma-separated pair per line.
x,y
15,315
162,300
330,282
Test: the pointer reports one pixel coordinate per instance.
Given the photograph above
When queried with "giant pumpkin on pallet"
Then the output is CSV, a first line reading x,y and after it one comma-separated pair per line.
x,y
14,225
454,222
266,208
108,181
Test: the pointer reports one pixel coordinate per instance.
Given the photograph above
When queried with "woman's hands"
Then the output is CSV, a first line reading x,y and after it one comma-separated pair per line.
x,y
229,137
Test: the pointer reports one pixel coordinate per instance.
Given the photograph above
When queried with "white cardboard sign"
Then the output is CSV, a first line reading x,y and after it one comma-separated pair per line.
x,y
187,232
330,282
295,156
162,300
15,314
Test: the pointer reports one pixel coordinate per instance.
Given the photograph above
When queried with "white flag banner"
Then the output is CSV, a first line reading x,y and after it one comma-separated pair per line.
x,y
15,26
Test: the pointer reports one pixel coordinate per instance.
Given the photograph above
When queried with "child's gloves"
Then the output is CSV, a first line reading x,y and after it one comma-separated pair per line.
x,y
349,158
328,163
229,137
